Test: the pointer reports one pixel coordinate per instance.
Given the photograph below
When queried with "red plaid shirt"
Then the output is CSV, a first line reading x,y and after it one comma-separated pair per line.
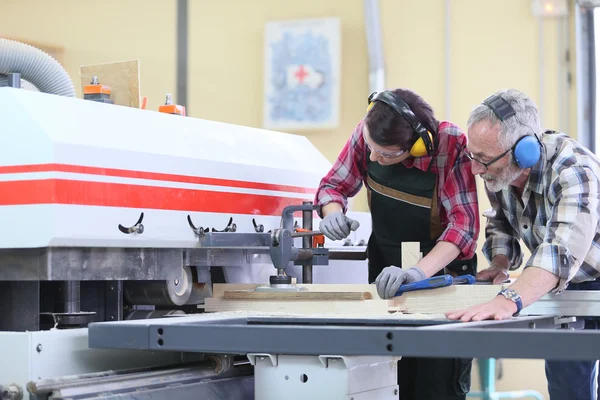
x,y
457,191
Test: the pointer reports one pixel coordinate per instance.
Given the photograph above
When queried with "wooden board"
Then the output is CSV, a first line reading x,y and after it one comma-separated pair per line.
x,y
300,296
411,253
219,289
436,301
335,302
123,78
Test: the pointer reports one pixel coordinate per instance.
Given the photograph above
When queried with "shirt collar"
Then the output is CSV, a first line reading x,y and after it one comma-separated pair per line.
x,y
421,163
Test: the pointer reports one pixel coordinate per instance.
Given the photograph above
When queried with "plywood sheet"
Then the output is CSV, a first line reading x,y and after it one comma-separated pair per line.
x,y
123,78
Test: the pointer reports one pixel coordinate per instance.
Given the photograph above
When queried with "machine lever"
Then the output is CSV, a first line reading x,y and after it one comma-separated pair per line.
x,y
258,228
199,231
137,228
231,227
302,233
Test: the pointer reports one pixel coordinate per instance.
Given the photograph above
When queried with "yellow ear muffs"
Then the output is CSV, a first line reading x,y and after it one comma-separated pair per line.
x,y
419,149
371,104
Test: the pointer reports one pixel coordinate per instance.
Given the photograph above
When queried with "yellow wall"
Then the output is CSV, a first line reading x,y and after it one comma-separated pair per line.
x,y
94,32
494,44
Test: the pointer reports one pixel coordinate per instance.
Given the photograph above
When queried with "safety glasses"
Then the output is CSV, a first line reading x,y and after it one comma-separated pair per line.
x,y
382,153
485,164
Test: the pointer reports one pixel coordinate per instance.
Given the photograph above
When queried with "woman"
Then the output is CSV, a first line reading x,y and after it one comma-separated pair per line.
x,y
420,189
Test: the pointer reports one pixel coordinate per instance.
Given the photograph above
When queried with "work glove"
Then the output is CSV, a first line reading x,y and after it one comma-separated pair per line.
x,y
391,278
336,226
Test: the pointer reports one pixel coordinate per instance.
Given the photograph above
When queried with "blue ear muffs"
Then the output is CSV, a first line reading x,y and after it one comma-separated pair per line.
x,y
526,152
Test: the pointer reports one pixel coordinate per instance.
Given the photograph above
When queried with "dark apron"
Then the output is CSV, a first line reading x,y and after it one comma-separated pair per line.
x,y
404,208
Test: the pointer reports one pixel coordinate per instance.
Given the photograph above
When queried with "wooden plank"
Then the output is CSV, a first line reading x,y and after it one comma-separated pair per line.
x,y
411,254
220,288
123,78
372,306
305,295
436,301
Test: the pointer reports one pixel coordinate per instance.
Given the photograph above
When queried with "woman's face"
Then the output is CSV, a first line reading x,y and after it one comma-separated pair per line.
x,y
384,155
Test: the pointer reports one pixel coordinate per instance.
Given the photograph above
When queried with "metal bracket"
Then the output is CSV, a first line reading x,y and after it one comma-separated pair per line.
x,y
354,361
262,356
569,322
325,360
282,250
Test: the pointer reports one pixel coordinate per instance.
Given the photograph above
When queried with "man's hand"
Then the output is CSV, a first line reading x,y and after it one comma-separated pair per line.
x,y
337,226
496,275
497,272
499,308
391,278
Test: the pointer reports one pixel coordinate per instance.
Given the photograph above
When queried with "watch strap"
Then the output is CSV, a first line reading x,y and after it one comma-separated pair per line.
x,y
516,298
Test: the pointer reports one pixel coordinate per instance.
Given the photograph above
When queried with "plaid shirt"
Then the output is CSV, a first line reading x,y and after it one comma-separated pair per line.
x,y
457,191
560,223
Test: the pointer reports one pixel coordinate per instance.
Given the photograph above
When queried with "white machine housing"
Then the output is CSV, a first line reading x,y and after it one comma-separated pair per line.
x,y
72,170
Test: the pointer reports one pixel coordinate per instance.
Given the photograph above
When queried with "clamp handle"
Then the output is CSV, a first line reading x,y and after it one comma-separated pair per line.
x,y
436,282
429,283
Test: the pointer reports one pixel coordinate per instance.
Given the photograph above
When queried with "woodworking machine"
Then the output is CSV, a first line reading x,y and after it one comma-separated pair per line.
x,y
117,223
114,213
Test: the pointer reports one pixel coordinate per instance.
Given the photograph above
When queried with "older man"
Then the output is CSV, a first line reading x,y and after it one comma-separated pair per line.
x,y
544,188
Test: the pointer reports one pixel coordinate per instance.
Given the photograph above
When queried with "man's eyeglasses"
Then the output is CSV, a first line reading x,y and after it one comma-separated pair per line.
x,y
383,153
485,164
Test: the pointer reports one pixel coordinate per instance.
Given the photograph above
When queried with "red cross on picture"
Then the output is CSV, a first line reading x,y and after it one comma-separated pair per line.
x,y
301,73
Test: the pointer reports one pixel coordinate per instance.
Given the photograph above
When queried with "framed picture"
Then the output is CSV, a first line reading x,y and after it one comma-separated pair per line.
x,y
302,74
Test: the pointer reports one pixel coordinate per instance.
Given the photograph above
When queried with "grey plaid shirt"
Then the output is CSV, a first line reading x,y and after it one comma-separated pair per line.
x,y
559,223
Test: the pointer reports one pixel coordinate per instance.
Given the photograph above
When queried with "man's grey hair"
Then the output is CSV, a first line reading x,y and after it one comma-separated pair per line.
x,y
526,122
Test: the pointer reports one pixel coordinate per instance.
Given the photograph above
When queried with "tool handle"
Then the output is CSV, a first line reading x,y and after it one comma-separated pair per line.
x,y
429,283
305,233
464,280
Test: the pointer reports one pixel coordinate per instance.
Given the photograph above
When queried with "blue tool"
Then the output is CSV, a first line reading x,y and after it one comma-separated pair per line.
x,y
436,282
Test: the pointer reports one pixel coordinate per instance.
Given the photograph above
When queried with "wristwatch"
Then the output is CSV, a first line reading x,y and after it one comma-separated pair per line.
x,y
513,296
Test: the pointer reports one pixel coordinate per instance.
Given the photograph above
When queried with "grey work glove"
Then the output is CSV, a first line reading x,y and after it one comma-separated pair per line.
x,y
336,226
391,278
